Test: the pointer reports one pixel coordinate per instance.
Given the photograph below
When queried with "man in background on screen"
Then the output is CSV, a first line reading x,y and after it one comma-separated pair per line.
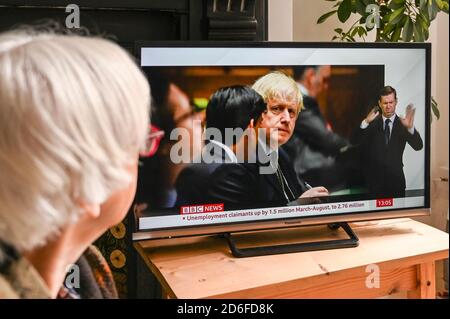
x,y
383,139
314,146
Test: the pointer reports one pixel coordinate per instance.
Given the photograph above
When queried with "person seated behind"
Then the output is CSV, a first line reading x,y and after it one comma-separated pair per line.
x,y
171,111
228,107
72,127
314,147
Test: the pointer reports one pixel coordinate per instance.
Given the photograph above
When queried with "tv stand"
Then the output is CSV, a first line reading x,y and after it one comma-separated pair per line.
x,y
352,241
202,266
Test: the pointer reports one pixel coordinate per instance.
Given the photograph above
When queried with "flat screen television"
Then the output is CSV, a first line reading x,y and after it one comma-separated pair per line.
x,y
184,76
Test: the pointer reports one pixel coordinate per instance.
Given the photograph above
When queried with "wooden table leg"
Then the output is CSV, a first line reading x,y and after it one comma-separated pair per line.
x,y
426,282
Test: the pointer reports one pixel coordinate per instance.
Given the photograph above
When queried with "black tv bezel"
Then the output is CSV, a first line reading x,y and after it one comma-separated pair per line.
x,y
193,230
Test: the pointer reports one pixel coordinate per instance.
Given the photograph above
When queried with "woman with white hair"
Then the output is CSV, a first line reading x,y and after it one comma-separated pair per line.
x,y
74,114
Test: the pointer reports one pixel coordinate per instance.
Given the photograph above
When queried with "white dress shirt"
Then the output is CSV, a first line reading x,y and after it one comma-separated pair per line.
x,y
364,124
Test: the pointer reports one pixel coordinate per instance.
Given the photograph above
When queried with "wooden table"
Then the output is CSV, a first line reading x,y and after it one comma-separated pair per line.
x,y
402,250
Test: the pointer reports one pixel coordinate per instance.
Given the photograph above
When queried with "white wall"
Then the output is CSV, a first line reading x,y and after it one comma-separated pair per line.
x,y
280,20
439,129
306,13
440,81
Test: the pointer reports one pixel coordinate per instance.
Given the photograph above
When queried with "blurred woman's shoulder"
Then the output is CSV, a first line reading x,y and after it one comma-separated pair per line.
x,y
18,278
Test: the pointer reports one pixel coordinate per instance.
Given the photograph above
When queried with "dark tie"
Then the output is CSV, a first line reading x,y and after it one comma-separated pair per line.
x,y
387,131
284,185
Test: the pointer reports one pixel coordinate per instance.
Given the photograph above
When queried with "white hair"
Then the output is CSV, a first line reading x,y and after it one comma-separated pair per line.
x,y
74,111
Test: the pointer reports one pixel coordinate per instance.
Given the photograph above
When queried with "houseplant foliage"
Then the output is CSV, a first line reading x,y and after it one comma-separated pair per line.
x,y
392,20
398,20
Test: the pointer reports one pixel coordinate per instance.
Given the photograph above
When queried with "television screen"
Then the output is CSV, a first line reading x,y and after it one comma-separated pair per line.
x,y
260,135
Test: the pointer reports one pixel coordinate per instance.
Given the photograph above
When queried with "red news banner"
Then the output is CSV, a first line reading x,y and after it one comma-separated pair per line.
x,y
385,202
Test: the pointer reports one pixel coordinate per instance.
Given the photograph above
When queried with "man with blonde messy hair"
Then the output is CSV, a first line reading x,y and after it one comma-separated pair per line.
x,y
284,102
74,116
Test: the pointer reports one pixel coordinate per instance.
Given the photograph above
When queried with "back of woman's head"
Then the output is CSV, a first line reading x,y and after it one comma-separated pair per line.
x,y
74,112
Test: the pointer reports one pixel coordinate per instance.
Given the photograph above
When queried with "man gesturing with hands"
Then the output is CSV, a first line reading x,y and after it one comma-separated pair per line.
x,y
383,138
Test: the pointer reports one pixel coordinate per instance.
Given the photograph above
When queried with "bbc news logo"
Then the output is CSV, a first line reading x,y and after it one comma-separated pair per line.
x,y
199,209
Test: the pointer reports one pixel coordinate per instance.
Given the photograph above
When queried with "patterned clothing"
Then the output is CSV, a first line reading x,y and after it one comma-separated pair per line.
x,y
19,279
96,279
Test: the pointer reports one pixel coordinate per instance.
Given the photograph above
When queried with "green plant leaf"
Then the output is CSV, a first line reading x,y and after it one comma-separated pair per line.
x,y
384,10
325,16
361,31
388,28
396,36
426,34
337,4
338,30
364,30
393,5
360,7
418,33
432,10
435,109
407,30
344,10
422,20
367,2
396,16
385,19
440,4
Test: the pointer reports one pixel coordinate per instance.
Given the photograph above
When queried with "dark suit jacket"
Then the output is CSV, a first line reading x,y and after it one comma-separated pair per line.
x,y
192,183
237,185
313,147
383,164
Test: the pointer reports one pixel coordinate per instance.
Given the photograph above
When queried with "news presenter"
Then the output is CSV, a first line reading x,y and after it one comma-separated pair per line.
x,y
383,139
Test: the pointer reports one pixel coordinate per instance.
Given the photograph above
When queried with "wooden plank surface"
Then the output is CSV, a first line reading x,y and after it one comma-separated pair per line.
x,y
426,282
202,267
